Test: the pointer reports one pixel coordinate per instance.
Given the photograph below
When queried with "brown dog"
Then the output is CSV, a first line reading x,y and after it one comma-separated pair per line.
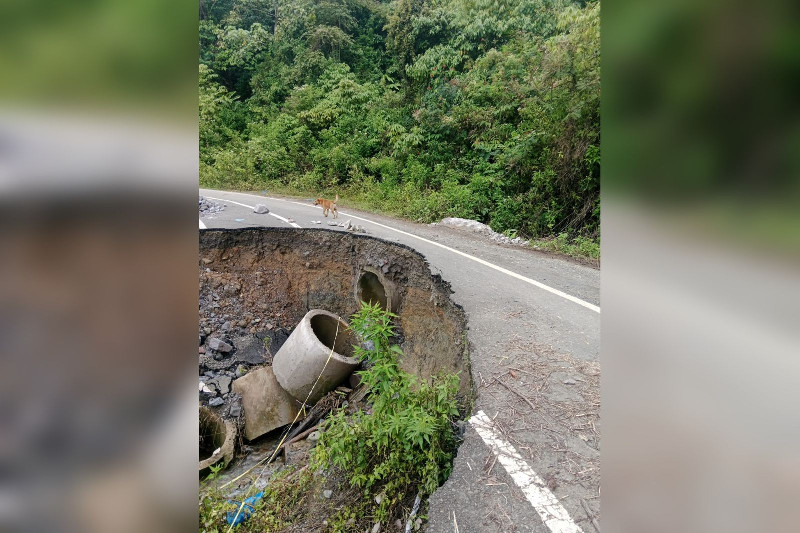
x,y
328,206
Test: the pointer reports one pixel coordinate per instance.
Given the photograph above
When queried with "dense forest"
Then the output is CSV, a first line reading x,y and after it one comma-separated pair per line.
x,y
483,109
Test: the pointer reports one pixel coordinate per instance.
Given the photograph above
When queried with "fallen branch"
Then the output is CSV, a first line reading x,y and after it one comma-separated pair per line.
x,y
517,393
299,437
590,515
318,412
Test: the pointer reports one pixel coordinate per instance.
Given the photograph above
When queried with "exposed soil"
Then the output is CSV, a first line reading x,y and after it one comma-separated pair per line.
x,y
256,284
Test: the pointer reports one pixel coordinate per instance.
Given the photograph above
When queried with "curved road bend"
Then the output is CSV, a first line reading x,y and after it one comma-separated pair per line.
x,y
530,458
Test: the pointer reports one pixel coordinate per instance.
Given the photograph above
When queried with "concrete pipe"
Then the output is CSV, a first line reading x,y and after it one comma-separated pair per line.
x,y
301,359
373,287
217,440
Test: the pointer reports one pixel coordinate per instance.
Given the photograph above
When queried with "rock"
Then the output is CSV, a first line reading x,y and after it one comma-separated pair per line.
x,y
327,493
241,370
219,345
215,402
569,382
201,349
226,326
379,499
250,350
332,223
218,356
209,374
376,527
207,331
265,404
224,383
398,524
236,410
260,209
243,323
369,346
314,436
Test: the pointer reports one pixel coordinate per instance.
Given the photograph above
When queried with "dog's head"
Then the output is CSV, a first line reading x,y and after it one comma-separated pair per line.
x,y
318,201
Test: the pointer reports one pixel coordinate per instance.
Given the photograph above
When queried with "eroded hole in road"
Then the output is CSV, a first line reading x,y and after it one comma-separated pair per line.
x,y
258,285
370,290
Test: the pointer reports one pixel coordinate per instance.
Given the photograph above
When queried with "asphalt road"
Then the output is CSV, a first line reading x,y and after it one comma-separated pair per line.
x,y
532,463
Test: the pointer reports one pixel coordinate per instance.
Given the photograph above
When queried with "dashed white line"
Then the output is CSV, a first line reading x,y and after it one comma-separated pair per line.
x,y
553,514
253,207
202,226
520,277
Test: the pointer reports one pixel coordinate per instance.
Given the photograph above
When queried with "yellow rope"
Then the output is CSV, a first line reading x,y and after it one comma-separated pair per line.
x,y
283,438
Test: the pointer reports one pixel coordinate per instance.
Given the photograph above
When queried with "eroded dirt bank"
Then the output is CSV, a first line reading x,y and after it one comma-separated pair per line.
x,y
256,284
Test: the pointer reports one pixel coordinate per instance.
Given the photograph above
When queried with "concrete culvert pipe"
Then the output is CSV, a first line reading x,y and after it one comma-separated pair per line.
x,y
301,359
371,290
217,440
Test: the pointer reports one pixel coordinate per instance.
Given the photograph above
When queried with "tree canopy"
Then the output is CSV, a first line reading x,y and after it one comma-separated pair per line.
x,y
483,109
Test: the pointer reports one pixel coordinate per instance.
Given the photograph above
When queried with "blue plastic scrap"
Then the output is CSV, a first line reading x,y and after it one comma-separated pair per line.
x,y
243,512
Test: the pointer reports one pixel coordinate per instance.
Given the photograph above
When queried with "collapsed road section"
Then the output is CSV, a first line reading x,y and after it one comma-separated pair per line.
x,y
277,353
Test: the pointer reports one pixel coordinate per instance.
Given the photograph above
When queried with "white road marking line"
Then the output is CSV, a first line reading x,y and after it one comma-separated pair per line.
x,y
533,282
544,502
253,207
202,226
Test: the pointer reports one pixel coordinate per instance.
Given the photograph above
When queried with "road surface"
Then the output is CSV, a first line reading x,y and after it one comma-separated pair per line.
x,y
530,458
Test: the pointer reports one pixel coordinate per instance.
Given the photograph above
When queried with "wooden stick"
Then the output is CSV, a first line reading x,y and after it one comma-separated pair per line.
x,y
590,516
301,436
517,393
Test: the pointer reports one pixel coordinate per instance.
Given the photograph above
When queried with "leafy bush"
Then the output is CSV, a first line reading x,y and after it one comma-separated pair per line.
x,y
405,444
484,109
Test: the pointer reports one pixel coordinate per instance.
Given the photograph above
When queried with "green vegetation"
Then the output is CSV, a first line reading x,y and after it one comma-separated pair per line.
x,y
424,108
401,447
281,504
579,247
404,445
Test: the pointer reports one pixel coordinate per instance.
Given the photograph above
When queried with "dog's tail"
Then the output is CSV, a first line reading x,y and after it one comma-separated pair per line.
x,y
337,198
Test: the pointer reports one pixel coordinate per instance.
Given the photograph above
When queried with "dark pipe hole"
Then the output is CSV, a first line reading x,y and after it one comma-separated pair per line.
x,y
370,290
324,328
212,435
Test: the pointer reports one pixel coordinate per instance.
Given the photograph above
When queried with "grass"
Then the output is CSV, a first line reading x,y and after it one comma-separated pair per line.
x,y
282,503
579,247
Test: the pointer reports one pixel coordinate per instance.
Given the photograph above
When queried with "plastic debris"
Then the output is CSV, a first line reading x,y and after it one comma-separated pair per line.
x,y
243,512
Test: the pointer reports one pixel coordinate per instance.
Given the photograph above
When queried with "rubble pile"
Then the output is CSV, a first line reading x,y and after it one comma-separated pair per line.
x,y
209,207
482,229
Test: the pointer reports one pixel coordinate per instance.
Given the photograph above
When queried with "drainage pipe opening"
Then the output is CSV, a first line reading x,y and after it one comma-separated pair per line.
x,y
324,327
212,433
371,290
217,439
